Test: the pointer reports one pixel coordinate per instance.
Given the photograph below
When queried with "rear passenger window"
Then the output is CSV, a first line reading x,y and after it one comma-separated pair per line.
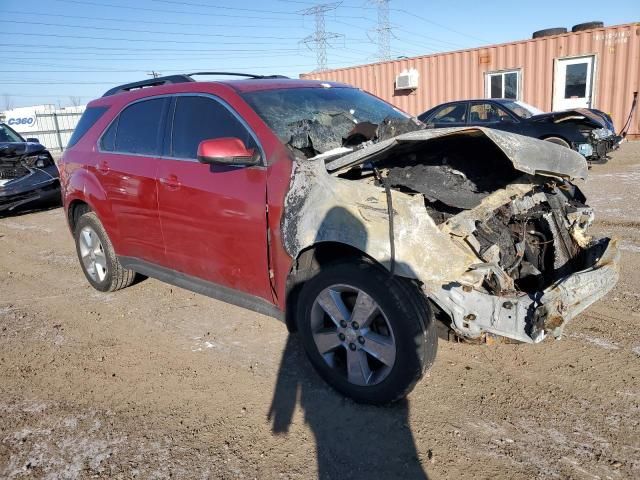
x,y
137,129
200,118
90,116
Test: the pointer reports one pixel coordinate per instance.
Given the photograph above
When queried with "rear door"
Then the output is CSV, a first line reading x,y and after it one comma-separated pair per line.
x,y
126,168
213,217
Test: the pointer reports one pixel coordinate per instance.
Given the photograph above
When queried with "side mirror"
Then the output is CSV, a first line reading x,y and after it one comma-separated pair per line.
x,y
33,140
227,151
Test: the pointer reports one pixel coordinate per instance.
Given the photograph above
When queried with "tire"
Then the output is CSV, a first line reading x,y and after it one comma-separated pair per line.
x,y
97,257
402,332
558,141
587,26
547,32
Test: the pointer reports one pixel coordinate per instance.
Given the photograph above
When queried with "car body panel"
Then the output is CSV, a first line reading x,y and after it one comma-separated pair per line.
x,y
22,183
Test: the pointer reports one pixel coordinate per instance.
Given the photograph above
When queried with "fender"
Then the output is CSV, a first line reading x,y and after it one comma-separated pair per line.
x,y
83,186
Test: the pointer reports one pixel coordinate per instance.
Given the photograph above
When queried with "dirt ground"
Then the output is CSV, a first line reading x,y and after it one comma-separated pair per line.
x,y
157,382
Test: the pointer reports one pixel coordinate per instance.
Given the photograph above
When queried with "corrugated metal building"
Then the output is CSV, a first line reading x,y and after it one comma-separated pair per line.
x,y
598,68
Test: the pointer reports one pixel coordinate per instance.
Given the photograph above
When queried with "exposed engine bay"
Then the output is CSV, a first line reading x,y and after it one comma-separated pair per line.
x,y
531,238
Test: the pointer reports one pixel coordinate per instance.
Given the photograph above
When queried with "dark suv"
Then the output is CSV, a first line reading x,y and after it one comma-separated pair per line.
x,y
322,205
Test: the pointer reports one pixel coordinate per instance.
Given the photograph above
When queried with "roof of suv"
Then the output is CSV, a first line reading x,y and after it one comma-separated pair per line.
x,y
247,84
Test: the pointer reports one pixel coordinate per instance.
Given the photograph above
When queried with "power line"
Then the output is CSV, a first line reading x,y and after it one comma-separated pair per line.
x,y
320,38
123,39
132,30
148,22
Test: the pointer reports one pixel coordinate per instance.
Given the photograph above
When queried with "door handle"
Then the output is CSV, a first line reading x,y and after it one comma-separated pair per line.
x,y
102,167
171,182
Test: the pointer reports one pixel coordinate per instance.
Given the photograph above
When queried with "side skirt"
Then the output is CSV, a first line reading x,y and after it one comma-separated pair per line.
x,y
202,287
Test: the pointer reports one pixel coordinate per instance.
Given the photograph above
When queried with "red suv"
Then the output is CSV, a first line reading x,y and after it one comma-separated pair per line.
x,y
325,206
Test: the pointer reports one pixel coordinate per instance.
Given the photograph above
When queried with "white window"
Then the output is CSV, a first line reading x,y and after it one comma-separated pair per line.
x,y
505,84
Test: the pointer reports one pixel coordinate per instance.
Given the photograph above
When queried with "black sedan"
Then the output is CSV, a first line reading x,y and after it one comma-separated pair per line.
x,y
28,174
587,131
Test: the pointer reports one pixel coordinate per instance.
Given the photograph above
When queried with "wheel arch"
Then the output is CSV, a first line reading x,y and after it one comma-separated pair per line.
x,y
310,260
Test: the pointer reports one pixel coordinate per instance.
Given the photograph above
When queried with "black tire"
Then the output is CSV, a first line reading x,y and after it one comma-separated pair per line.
x,y
587,26
407,313
116,277
558,141
547,32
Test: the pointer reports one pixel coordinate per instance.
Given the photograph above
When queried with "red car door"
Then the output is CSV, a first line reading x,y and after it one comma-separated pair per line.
x,y
213,217
126,168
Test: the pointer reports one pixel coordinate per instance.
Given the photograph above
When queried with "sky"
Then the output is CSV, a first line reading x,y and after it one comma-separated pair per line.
x,y
67,52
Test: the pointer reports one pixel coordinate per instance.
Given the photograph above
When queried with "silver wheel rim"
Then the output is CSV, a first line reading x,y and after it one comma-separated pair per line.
x,y
92,254
353,335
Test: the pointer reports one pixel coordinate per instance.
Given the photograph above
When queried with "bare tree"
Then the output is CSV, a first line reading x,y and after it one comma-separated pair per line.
x,y
8,101
75,101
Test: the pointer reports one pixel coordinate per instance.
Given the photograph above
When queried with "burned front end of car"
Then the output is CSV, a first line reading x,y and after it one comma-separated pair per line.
x,y
487,222
28,175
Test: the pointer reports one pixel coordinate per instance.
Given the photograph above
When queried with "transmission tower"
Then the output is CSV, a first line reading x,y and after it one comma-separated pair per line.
x,y
320,38
383,31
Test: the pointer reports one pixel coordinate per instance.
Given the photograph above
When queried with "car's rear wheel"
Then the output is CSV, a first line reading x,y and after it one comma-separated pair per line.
x,y
369,335
558,141
97,257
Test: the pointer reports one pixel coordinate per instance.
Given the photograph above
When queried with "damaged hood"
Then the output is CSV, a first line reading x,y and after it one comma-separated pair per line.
x,y
574,114
528,155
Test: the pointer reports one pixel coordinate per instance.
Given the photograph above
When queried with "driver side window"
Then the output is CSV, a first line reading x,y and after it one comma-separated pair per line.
x,y
198,118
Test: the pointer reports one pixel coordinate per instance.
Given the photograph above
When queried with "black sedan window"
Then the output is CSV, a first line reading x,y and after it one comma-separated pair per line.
x,y
450,114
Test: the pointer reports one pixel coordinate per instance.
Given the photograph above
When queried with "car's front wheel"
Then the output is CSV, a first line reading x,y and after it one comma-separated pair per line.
x,y
369,335
97,257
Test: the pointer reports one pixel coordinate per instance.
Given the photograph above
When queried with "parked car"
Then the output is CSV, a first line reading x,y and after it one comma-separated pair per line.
x,y
28,174
320,204
588,131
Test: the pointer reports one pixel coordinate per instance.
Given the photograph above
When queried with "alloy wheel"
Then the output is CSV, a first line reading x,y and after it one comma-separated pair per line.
x,y
92,254
353,335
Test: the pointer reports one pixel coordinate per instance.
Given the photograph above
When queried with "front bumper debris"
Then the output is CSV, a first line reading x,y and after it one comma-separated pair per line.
x,y
530,317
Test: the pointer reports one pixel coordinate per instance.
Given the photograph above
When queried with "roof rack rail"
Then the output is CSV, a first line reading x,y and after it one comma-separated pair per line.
x,y
152,82
234,74
183,78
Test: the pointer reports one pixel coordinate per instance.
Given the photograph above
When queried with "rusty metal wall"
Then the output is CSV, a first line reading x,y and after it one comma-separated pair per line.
x,y
460,75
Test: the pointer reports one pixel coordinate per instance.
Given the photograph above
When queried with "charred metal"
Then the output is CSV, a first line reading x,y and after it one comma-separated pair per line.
x,y
488,222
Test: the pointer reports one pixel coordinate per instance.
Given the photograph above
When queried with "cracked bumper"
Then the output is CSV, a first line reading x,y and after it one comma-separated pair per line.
x,y
530,317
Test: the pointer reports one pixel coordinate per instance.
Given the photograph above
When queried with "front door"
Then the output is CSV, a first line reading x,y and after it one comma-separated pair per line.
x,y
213,217
573,86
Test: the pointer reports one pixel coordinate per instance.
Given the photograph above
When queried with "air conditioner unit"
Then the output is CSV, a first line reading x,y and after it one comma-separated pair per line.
x,y
407,80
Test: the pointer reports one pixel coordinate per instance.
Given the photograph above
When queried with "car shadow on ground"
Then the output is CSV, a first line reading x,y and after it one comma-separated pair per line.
x,y
352,441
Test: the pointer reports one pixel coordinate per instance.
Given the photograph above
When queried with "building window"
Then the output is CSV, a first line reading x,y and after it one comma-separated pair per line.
x,y
503,84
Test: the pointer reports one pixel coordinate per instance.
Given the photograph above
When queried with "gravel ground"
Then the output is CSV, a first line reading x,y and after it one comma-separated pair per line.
x,y
157,382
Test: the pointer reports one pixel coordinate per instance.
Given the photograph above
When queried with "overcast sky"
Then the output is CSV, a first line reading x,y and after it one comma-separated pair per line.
x,y
54,50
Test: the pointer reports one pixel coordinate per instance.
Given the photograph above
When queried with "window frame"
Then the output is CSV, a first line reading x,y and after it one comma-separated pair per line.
x,y
116,119
489,75
169,128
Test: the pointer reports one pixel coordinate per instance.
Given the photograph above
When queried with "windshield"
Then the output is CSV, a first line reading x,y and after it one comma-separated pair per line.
x,y
8,135
326,116
523,110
